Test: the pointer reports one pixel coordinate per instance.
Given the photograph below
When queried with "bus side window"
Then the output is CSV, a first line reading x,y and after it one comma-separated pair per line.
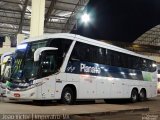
x,y
130,62
115,58
94,54
107,57
112,57
153,68
144,65
63,46
79,52
136,63
48,63
123,60
89,53
101,55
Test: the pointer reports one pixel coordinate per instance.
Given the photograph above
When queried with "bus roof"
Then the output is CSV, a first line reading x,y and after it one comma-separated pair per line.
x,y
84,40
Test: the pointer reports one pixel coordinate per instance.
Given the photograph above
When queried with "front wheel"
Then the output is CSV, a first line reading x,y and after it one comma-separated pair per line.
x,y
134,96
68,96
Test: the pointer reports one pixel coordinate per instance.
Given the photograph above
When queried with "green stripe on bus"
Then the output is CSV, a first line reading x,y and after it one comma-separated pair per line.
x,y
147,76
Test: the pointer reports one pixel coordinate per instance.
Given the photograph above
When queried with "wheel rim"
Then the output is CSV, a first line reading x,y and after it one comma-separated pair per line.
x,y
68,97
142,95
134,97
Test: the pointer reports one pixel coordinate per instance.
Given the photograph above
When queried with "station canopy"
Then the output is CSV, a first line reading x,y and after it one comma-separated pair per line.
x,y
151,37
60,15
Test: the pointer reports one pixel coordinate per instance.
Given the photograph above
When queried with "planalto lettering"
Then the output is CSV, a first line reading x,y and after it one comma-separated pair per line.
x,y
89,69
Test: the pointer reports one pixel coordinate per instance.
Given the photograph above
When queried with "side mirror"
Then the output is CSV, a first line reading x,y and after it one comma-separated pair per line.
x,y
38,52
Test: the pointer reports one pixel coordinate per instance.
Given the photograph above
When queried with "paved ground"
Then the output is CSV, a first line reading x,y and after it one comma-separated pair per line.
x,y
152,114
137,111
54,108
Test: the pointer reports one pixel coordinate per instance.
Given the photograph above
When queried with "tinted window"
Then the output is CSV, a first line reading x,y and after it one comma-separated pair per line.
x,y
63,46
90,53
48,63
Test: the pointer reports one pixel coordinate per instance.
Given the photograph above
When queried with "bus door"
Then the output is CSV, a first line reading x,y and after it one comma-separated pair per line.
x,y
48,70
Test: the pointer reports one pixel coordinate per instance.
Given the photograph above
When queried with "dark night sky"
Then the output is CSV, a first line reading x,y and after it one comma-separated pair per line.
x,y
120,20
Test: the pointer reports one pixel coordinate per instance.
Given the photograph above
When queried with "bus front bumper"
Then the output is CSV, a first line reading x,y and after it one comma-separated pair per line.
x,y
28,94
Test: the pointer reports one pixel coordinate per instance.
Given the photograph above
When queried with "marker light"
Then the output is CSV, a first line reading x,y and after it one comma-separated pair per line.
x,y
22,46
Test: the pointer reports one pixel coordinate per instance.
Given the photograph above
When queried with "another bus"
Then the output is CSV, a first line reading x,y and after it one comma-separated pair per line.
x,y
158,87
6,64
69,67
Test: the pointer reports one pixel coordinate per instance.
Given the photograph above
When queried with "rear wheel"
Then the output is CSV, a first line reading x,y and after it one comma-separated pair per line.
x,y
142,95
68,96
134,96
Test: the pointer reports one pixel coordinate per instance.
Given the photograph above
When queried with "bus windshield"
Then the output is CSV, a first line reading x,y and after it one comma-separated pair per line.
x,y
24,68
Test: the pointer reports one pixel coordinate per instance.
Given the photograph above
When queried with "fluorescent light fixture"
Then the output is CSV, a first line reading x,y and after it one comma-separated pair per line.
x,y
26,32
102,67
132,74
154,65
22,46
122,73
85,18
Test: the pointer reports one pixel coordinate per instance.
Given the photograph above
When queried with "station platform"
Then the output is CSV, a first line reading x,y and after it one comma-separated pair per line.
x,y
98,108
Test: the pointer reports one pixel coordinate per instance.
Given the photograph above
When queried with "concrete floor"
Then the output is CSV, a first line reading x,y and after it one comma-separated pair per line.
x,y
152,114
54,108
83,110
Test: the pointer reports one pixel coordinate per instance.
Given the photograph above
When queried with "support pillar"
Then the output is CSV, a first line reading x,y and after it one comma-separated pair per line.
x,y
20,38
37,18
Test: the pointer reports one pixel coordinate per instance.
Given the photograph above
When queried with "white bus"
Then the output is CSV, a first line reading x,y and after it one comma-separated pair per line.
x,y
158,86
70,67
5,65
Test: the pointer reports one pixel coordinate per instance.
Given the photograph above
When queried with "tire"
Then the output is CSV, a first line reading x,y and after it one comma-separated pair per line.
x,y
68,96
134,96
142,95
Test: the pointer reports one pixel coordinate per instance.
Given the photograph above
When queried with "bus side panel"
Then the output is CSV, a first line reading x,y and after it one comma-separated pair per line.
x,y
119,88
103,87
87,87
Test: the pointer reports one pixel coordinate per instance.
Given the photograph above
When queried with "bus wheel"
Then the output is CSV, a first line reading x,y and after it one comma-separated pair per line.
x,y
68,96
134,96
142,95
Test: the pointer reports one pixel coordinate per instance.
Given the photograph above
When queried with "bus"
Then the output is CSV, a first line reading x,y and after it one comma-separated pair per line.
x,y
6,63
68,67
158,86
